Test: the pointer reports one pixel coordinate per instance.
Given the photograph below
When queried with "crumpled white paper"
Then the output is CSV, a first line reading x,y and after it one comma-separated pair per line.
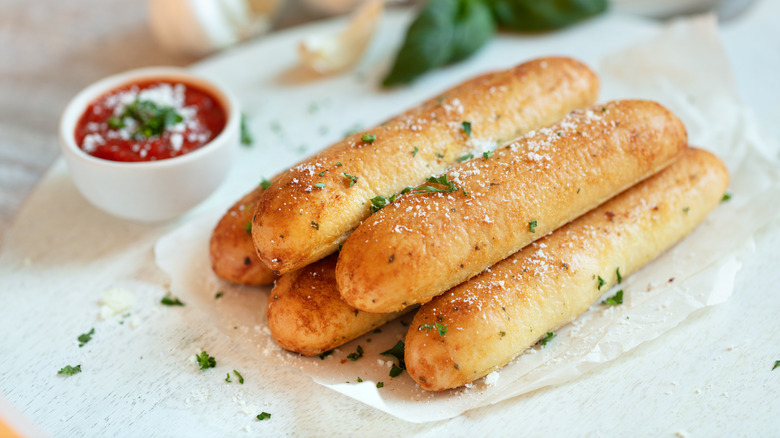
x,y
685,69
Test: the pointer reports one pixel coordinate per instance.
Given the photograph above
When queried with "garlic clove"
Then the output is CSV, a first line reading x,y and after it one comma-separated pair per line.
x,y
326,54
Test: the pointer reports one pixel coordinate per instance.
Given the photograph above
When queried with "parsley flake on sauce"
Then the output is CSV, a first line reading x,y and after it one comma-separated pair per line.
x,y
380,384
205,361
615,299
69,370
325,354
168,300
263,416
86,337
151,119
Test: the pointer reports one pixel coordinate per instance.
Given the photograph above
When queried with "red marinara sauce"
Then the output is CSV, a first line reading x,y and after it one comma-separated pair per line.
x,y
108,129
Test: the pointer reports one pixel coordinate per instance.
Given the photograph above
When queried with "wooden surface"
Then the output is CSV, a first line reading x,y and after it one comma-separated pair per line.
x,y
710,376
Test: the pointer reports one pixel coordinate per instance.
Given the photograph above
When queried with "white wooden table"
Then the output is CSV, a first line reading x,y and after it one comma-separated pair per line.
x,y
711,376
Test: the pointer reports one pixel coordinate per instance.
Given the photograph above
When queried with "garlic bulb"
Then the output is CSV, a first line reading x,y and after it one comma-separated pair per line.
x,y
198,27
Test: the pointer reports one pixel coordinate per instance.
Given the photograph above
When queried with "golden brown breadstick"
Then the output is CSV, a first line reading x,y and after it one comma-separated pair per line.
x,y
231,250
426,243
316,204
489,320
307,315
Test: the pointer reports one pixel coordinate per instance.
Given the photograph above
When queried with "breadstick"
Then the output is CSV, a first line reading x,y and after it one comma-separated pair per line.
x,y
231,250
307,315
489,320
316,204
425,243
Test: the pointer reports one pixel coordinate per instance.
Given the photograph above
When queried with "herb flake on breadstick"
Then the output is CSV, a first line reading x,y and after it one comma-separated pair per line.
x,y
531,292
527,97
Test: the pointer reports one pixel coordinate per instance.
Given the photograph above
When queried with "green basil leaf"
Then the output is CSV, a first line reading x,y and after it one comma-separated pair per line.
x,y
535,15
427,41
445,31
474,27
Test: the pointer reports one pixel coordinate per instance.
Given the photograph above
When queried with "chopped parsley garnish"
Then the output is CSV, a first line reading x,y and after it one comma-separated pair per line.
x,y
263,416
359,380
322,173
601,282
265,184
338,163
615,299
246,135
240,377
205,361
380,384
441,328
487,154
466,128
320,185
315,225
219,295
465,158
414,152
726,197
86,337
325,354
227,379
171,301
619,277
378,202
547,338
356,355
397,353
368,138
248,227
352,179
442,180
69,370
532,226
686,209
151,119
396,371
777,364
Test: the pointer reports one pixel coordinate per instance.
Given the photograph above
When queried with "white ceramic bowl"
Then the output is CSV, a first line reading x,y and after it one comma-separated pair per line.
x,y
150,191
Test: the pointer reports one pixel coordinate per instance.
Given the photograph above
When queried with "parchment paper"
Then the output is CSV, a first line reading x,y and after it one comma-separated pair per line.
x,y
685,69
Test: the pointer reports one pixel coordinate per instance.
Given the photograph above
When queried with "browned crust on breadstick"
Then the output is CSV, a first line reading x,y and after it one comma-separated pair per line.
x,y
306,314
317,203
424,244
494,317
231,250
